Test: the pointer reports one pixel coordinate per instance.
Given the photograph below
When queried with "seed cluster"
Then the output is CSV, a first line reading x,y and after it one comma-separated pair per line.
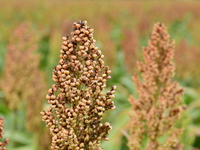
x,y
158,106
77,102
22,78
18,69
5,142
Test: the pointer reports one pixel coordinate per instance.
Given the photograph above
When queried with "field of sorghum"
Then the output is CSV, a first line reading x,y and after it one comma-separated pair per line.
x,y
30,42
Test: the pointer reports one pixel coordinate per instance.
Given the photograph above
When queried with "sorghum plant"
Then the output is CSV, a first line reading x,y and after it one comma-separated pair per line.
x,y
158,106
5,142
77,102
22,79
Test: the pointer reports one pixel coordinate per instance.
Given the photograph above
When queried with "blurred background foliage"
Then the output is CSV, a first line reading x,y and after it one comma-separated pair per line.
x,y
121,29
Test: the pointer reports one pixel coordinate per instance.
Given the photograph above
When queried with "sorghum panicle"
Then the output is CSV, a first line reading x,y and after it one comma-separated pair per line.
x,y
22,79
77,102
5,142
158,106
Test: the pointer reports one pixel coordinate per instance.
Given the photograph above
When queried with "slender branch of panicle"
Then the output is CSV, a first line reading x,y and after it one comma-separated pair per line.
x,y
5,142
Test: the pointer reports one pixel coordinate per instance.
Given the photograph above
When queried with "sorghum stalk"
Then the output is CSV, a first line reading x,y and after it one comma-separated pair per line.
x,y
158,106
5,142
77,102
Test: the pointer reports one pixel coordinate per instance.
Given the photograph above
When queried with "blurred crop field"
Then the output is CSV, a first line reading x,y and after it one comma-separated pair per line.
x,y
121,29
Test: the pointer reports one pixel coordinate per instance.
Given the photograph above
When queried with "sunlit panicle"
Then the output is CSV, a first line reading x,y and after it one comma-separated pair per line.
x,y
77,102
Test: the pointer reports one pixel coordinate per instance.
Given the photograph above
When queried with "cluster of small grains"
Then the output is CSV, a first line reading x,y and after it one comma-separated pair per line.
x,y
22,78
158,106
77,102
5,142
